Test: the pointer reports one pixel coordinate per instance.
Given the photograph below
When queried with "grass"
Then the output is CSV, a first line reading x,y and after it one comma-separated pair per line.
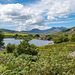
x,y
69,33
15,33
51,60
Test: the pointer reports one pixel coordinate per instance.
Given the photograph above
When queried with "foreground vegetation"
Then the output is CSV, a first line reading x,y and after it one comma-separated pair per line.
x,y
51,60
1,38
26,59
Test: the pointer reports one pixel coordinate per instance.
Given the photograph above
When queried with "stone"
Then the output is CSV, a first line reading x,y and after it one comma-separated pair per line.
x,y
71,55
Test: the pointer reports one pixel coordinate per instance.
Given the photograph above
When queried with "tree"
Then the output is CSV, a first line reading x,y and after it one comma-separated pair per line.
x,y
1,38
15,36
10,48
49,37
37,35
30,35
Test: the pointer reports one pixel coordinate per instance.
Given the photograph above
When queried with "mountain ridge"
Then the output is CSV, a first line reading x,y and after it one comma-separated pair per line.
x,y
35,30
51,30
69,31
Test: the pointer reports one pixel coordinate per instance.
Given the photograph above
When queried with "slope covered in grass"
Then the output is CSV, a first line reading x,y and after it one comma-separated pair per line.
x,y
69,32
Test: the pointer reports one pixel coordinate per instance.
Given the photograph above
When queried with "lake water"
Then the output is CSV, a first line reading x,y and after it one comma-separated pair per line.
x,y
33,41
12,41
39,42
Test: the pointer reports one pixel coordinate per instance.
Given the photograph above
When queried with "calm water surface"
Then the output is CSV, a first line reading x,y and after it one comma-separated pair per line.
x,y
12,41
33,41
39,42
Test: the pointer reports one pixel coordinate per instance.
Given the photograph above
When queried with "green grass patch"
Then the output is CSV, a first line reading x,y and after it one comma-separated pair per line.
x,y
51,60
15,34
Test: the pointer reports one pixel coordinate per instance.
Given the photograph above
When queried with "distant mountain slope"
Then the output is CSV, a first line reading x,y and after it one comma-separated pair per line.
x,y
9,31
69,32
48,31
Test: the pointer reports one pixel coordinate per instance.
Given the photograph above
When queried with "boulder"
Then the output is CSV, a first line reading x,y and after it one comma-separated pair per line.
x,y
71,55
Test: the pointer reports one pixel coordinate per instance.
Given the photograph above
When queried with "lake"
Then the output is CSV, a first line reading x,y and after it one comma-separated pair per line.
x,y
33,41
39,42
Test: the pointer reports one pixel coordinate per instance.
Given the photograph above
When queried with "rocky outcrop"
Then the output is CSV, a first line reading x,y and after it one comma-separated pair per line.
x,y
42,38
71,55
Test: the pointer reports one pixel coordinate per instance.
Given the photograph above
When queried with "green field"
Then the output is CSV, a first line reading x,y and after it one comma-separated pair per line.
x,y
15,33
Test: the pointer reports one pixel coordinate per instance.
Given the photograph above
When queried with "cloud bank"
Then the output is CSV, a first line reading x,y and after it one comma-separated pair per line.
x,y
36,15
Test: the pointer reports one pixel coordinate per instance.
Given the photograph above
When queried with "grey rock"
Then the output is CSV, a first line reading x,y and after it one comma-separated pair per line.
x,y
71,55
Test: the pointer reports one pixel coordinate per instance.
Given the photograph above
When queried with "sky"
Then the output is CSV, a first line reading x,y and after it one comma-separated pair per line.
x,y
42,14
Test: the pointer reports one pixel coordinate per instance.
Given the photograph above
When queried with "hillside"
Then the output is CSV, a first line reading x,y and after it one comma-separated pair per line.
x,y
9,31
68,32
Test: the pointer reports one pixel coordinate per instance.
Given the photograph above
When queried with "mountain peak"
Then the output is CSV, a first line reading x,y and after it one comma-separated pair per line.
x,y
51,30
35,30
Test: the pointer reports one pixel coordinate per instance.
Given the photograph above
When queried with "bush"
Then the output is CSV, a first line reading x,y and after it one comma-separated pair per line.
x,y
30,35
57,40
73,35
16,35
1,39
37,35
49,38
61,39
25,48
73,39
65,39
10,48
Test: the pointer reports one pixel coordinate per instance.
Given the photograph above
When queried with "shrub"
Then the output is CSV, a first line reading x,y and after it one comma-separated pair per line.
x,y
65,39
30,35
49,38
10,48
37,35
73,39
57,40
16,35
1,38
61,39
73,35
25,48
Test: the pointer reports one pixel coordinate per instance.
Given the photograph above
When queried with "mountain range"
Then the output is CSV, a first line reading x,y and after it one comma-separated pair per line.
x,y
69,31
47,31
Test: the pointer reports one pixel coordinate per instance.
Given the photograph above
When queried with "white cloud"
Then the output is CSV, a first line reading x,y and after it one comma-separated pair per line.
x,y
42,27
71,21
30,27
58,8
32,16
24,16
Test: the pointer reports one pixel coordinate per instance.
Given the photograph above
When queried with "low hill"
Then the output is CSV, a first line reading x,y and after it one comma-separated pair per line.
x,y
9,31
